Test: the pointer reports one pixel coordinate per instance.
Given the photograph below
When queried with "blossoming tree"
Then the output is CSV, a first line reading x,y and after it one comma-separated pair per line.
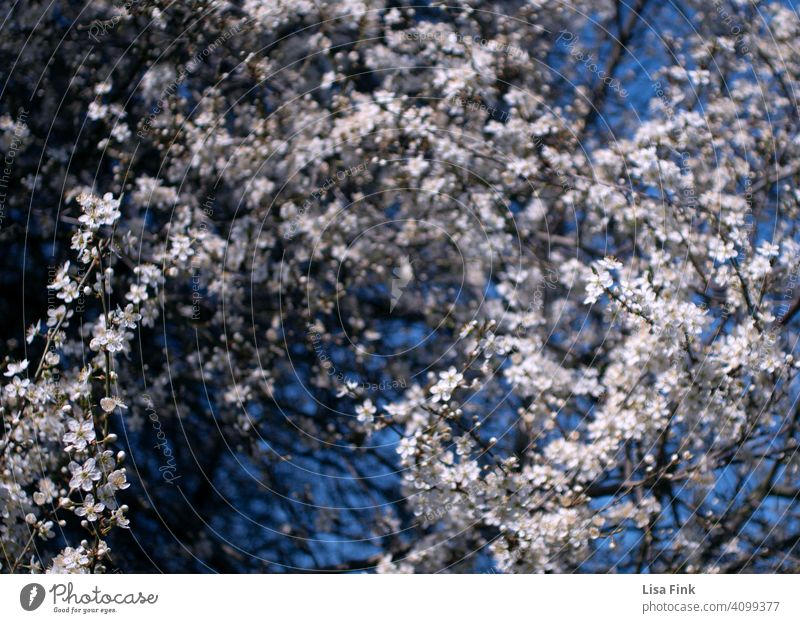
x,y
353,284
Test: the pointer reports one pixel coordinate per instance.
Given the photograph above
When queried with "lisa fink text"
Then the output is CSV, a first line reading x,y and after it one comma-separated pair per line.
x,y
672,589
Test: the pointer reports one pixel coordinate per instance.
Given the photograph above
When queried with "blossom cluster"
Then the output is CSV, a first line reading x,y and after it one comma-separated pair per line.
x,y
401,288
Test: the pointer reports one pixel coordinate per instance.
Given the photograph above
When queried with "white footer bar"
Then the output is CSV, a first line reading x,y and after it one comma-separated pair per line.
x,y
389,599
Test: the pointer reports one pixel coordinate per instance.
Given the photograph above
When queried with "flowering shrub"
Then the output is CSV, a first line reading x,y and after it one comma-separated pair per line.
x,y
349,285
58,454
